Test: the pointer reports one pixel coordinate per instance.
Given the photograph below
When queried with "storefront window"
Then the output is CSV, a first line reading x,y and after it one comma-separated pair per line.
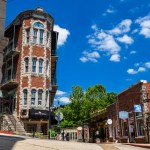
x,y
124,126
110,131
139,124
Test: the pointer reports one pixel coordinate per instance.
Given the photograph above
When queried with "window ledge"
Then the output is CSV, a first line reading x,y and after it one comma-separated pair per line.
x,y
139,137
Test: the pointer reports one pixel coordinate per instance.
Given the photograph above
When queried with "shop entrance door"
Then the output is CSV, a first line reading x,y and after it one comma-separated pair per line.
x,y
44,128
131,130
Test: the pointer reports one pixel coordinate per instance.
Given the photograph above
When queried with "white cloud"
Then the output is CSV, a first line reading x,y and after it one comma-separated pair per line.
x,y
136,64
64,99
147,64
141,69
133,52
110,11
131,71
121,28
115,58
63,34
93,56
59,93
125,39
144,23
106,41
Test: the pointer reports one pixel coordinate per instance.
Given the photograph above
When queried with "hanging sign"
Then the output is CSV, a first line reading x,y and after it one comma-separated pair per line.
x,y
137,108
109,121
123,114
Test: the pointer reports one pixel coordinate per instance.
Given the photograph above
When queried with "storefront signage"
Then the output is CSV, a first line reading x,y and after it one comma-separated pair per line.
x,y
123,114
137,108
109,121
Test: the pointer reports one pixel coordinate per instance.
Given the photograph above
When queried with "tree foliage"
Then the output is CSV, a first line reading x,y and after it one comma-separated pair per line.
x,y
82,104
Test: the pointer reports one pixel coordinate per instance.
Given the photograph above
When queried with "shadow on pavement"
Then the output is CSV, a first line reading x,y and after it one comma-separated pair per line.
x,y
7,142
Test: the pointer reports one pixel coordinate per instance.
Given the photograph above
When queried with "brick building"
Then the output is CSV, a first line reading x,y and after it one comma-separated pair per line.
x,y
130,114
29,69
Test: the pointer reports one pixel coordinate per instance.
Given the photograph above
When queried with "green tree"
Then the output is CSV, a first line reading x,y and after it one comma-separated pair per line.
x,y
82,104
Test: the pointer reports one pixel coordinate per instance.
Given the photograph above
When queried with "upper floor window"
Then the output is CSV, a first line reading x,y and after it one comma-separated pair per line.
x,y
41,36
47,68
34,65
47,40
33,97
38,33
40,92
40,65
26,62
27,35
35,32
25,93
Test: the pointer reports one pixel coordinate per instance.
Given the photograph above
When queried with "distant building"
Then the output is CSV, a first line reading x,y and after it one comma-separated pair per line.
x,y
130,114
29,69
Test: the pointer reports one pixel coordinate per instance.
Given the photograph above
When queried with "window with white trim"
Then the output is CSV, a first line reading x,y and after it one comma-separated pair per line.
x,y
35,32
34,60
26,65
40,93
25,93
27,35
33,97
41,36
38,33
47,68
40,65
47,39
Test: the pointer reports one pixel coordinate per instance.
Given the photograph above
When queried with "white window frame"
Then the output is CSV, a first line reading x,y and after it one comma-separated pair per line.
x,y
25,97
27,35
41,65
34,65
40,91
26,65
33,97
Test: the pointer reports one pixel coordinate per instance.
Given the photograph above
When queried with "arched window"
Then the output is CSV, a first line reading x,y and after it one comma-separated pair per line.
x,y
26,64
25,95
40,65
34,65
38,33
40,92
33,97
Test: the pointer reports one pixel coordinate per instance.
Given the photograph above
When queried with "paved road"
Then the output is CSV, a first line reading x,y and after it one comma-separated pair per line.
x,y
8,142
21,143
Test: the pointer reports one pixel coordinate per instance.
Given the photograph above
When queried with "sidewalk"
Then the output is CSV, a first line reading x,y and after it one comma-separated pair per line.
x,y
139,145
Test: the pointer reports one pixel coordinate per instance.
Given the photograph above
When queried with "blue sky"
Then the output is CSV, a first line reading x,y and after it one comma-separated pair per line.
x,y
100,42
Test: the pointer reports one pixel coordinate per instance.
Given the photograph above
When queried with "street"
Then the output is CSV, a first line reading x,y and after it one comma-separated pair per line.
x,y
11,142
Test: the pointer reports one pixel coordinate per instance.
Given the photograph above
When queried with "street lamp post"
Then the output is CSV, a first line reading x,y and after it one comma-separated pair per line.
x,y
49,116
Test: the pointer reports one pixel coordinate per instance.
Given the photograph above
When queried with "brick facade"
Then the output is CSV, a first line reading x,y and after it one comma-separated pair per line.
x,y
20,68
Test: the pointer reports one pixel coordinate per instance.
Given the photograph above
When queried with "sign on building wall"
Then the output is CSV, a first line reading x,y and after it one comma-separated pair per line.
x,y
123,114
137,108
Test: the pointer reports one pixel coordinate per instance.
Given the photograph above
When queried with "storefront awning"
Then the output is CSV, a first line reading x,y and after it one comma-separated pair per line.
x,y
42,114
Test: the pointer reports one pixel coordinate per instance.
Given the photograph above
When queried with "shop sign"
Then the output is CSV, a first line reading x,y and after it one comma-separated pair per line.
x,y
137,108
109,121
123,114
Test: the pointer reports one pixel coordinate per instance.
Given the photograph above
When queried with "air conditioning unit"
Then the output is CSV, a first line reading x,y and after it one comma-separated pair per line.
x,y
143,88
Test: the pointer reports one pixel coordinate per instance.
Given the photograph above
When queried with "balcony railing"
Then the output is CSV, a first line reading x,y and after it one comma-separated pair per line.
x,y
9,50
54,53
54,82
6,79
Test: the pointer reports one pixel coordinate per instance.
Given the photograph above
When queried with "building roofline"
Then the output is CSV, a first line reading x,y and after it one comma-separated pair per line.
x,y
141,81
27,14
